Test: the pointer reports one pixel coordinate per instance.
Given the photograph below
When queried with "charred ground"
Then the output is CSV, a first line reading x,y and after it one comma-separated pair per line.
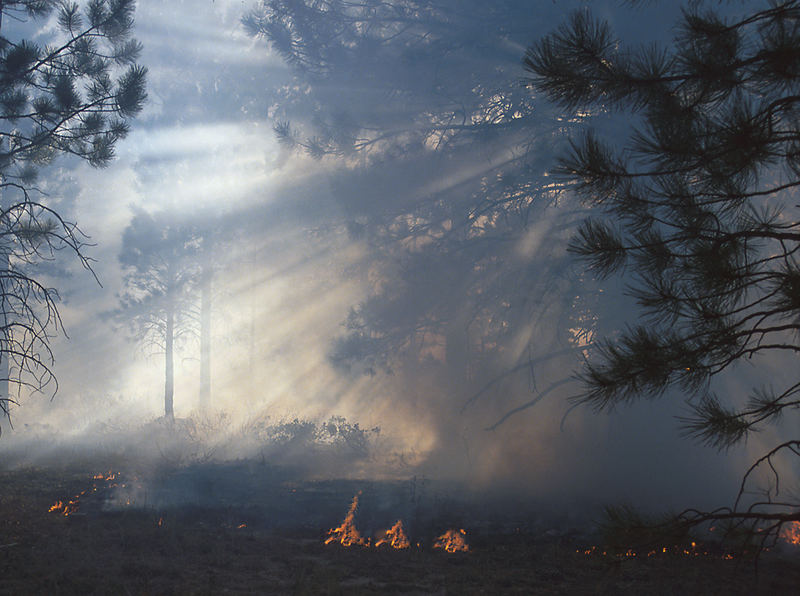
x,y
250,528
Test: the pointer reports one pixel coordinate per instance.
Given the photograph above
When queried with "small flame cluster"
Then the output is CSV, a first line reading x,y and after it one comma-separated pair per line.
x,y
790,533
452,541
69,507
395,537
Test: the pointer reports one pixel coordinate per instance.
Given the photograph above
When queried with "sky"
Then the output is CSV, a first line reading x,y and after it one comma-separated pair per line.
x,y
292,269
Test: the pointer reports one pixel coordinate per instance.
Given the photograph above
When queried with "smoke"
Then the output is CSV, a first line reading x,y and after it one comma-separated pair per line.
x,y
403,306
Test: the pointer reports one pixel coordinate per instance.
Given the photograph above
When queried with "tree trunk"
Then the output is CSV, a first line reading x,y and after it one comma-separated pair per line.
x,y
5,397
169,381
457,352
5,404
205,336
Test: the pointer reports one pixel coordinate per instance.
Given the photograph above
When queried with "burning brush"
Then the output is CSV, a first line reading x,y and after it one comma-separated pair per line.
x,y
347,534
395,537
452,541
100,481
67,508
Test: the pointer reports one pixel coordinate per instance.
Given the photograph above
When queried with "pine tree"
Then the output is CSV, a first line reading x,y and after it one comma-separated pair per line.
x,y
699,205
159,257
417,108
74,96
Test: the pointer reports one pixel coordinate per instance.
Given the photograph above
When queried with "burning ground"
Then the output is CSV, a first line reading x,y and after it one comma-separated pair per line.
x,y
247,527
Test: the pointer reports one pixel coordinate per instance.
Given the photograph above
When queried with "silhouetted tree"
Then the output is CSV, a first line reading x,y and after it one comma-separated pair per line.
x,y
212,245
420,104
159,257
74,96
206,286
699,203
374,78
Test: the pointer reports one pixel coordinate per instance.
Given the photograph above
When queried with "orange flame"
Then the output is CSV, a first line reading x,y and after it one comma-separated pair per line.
x,y
692,550
57,506
107,476
65,509
395,537
71,506
347,534
452,541
791,533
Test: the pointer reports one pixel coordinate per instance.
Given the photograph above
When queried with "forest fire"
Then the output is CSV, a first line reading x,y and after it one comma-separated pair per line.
x,y
452,541
347,534
395,537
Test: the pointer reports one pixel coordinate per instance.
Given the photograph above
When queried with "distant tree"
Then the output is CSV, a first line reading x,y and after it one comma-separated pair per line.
x,y
206,295
75,96
212,241
699,204
159,258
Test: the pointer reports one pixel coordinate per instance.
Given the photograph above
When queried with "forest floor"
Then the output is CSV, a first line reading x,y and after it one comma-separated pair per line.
x,y
102,546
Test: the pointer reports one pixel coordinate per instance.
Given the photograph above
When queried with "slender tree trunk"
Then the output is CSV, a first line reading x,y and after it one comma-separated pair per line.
x,y
457,352
5,406
169,381
205,336
5,266
252,381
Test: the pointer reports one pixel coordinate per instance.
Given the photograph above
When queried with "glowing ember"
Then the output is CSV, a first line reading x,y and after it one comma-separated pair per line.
x,y
452,541
63,508
55,506
347,534
395,537
694,550
791,533
241,526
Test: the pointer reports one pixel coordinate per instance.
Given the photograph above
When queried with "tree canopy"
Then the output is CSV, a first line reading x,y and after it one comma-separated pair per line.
x,y
419,106
74,96
697,205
